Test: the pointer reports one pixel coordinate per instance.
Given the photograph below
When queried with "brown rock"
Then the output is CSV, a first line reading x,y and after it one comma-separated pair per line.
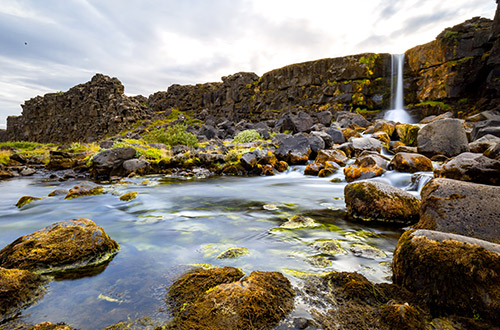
x,y
337,156
367,166
411,163
378,201
64,245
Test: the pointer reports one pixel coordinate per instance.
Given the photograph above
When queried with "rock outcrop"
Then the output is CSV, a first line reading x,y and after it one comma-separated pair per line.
x,y
86,112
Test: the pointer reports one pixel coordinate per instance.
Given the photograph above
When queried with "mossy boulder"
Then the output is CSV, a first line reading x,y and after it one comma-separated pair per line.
x,y
379,201
294,149
410,163
402,317
464,208
368,165
128,196
50,326
313,169
407,134
26,200
452,274
258,301
357,146
18,288
85,188
60,160
299,221
62,246
471,167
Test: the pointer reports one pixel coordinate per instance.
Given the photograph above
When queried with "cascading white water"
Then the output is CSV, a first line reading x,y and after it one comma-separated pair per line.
x,y
397,112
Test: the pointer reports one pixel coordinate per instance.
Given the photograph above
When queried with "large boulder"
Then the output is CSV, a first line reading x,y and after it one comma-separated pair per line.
x,y
18,288
109,162
294,149
471,167
366,166
486,127
452,274
483,143
258,301
62,246
356,146
460,207
443,137
411,163
347,119
379,201
334,155
336,135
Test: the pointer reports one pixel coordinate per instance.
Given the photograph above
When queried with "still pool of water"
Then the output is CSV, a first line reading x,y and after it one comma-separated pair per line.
x,y
175,222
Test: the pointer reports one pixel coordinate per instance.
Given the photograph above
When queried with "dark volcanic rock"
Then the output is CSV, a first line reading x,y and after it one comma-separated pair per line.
x,y
443,137
109,162
471,167
367,165
463,208
294,149
411,163
347,119
452,274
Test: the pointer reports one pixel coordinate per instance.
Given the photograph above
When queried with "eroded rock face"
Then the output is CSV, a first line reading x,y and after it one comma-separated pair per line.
x,y
86,112
18,288
443,137
379,201
452,274
471,167
66,245
464,208
258,301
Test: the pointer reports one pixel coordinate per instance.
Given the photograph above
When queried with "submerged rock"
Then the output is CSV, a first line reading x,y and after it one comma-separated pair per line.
x,y
205,300
299,221
452,274
233,253
62,246
85,188
463,208
378,201
471,167
18,288
443,137
50,326
411,163
128,196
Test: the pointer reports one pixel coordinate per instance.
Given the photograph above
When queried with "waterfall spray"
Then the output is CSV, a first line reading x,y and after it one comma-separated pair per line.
x,y
397,112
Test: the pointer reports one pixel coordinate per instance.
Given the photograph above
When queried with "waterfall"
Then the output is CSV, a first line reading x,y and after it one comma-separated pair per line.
x,y
397,112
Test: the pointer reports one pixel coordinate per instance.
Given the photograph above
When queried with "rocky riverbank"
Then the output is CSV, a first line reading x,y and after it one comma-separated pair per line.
x,y
445,266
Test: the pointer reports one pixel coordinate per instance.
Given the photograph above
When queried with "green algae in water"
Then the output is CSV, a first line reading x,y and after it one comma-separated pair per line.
x,y
233,252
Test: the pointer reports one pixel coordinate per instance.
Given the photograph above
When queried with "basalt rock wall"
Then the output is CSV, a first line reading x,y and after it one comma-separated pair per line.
x,y
346,83
86,112
459,71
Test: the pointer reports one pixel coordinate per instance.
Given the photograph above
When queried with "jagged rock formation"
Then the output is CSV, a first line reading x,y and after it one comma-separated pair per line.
x,y
86,112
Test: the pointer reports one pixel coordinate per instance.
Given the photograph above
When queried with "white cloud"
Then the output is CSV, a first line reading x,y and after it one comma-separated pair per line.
x,y
151,44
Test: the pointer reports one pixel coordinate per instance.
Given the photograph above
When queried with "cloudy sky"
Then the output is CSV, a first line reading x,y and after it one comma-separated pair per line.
x,y
49,46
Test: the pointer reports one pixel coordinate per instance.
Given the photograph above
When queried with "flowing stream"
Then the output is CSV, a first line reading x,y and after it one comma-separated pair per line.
x,y
176,222
397,113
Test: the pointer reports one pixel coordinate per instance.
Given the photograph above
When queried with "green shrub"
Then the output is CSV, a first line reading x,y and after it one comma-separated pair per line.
x,y
172,136
246,136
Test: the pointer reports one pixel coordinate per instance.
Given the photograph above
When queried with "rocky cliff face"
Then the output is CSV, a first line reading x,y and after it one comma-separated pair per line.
x,y
86,112
458,71
345,83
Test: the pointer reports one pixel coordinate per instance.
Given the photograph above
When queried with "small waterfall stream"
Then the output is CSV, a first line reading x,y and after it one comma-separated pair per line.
x,y
397,112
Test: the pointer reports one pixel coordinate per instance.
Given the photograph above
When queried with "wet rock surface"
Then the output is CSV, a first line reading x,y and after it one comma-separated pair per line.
x,y
66,245
471,167
443,137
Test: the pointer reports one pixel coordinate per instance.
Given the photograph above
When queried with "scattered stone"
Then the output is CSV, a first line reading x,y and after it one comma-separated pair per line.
x,y
483,143
294,149
464,208
62,246
299,221
137,166
337,156
109,162
25,200
359,145
313,169
407,134
60,160
487,127
443,137
493,151
18,289
382,137
367,251
347,119
319,261
410,163
378,201
50,326
233,253
128,196
58,192
471,167
366,166
7,174
27,171
336,135
329,246
452,274
85,188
